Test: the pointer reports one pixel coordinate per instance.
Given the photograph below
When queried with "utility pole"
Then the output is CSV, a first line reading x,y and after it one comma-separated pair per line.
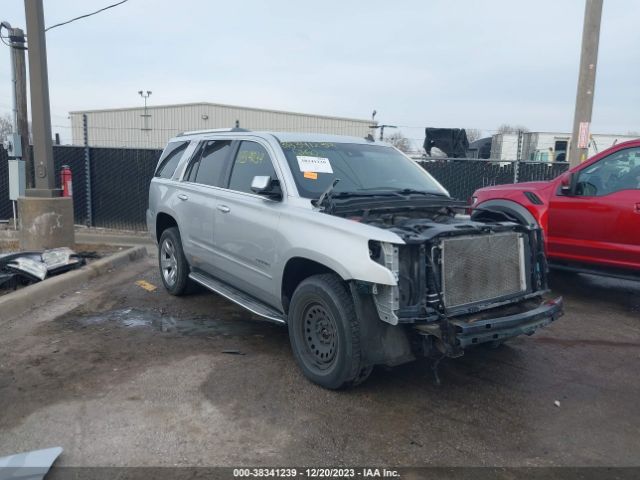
x,y
16,36
13,142
46,218
579,149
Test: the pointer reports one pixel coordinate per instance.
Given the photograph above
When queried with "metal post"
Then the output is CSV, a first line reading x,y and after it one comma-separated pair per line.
x,y
87,169
579,148
40,109
516,164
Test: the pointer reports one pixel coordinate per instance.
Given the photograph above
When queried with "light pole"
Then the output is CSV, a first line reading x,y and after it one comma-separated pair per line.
x,y
145,95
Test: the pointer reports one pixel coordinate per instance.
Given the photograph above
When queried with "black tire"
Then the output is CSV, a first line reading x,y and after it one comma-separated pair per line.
x,y
174,269
324,331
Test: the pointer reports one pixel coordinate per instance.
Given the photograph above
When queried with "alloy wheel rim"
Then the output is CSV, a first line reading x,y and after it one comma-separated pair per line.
x,y
168,262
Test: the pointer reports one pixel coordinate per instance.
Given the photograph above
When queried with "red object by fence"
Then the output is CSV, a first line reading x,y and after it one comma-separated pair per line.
x,y
66,181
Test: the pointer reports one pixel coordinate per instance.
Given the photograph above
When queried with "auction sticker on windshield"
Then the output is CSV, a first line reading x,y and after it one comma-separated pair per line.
x,y
314,164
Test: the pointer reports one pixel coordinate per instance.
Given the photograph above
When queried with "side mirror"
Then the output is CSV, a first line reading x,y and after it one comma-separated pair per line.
x,y
567,184
265,185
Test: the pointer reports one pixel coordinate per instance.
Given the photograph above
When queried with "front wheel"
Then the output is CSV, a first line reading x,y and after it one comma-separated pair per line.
x,y
324,331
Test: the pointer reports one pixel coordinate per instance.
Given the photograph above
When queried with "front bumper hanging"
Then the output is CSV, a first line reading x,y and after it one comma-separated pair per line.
x,y
501,328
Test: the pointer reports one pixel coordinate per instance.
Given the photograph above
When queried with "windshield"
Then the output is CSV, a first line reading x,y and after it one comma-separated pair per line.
x,y
360,168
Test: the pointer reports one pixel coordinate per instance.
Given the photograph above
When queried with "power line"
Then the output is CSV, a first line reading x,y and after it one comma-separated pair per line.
x,y
85,16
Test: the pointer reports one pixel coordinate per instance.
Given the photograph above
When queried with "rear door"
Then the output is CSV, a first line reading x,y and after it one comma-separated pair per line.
x,y
247,232
601,222
198,199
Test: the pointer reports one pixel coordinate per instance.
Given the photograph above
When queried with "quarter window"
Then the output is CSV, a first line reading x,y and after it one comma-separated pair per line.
x,y
252,160
170,158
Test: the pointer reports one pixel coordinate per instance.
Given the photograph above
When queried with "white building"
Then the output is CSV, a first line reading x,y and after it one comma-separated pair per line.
x,y
547,146
137,128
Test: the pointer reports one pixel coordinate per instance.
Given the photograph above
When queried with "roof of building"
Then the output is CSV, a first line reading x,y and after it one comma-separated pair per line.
x,y
210,104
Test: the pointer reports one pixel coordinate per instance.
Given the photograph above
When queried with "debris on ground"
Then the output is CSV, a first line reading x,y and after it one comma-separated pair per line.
x,y
233,352
8,281
29,268
557,403
149,287
60,260
25,268
89,254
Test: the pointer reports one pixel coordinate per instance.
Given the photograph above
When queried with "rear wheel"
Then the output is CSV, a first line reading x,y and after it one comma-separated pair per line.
x,y
324,331
174,269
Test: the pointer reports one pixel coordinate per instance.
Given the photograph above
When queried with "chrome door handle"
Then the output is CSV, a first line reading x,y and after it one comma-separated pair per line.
x,y
223,208
182,196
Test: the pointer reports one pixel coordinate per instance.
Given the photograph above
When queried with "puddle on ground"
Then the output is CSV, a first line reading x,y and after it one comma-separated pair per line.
x,y
200,325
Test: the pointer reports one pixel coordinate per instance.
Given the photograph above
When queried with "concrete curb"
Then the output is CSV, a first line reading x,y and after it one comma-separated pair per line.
x,y
18,302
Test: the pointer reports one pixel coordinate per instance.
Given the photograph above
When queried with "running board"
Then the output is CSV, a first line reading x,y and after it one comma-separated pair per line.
x,y
236,296
602,272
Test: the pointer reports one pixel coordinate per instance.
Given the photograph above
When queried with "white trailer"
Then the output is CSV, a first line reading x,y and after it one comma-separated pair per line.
x,y
547,146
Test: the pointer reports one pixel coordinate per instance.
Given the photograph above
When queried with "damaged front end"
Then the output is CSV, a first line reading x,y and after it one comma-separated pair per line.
x,y
459,282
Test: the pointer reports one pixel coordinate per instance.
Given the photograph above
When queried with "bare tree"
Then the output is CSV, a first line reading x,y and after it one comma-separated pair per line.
x,y
473,134
506,128
399,141
5,127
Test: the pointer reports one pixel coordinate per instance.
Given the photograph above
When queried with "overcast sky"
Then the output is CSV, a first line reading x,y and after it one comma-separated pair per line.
x,y
461,63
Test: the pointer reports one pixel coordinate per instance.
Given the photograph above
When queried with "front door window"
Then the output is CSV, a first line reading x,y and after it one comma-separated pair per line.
x,y
616,172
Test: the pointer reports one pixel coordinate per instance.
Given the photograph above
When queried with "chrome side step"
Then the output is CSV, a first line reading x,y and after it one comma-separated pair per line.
x,y
246,301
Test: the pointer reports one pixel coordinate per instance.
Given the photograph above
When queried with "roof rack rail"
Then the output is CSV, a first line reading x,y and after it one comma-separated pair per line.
x,y
213,130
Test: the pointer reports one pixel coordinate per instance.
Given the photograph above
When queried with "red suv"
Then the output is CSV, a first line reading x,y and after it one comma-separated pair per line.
x,y
590,215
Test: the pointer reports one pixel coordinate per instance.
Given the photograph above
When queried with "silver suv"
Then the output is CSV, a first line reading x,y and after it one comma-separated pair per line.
x,y
351,244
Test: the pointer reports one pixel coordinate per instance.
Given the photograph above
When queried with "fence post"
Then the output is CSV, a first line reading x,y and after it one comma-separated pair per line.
x,y
87,169
516,165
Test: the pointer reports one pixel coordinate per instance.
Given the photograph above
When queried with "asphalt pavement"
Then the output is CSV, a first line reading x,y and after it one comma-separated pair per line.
x,y
118,374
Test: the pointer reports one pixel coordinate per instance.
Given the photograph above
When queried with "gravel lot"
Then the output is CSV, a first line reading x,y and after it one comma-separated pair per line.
x,y
118,375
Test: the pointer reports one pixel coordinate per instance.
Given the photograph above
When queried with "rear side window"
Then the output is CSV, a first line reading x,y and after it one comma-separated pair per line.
x,y
209,166
252,160
170,159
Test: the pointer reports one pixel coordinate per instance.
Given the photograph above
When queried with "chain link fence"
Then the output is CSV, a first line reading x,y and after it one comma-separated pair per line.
x,y
111,185
463,176
120,180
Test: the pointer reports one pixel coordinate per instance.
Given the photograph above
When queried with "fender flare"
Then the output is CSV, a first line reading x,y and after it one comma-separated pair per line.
x,y
514,209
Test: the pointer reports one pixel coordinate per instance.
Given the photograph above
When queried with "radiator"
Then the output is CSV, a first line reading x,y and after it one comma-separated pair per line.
x,y
482,267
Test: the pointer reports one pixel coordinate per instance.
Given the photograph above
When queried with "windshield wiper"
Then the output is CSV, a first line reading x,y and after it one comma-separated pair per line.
x,y
326,194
